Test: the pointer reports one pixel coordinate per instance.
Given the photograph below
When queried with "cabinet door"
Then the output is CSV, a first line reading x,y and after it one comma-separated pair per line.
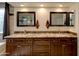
x,y
70,48
67,49
9,47
23,47
22,50
18,47
63,47
55,48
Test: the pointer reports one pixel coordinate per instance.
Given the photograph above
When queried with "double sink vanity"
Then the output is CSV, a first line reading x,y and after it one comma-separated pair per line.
x,y
41,43
48,31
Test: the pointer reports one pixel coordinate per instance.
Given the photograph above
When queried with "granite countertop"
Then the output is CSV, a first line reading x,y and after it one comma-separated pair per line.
x,y
42,35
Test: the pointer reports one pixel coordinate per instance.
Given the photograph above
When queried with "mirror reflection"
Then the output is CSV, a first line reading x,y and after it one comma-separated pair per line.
x,y
62,18
26,18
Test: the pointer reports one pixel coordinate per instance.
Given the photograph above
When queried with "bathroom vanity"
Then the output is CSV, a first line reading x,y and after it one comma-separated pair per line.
x,y
42,43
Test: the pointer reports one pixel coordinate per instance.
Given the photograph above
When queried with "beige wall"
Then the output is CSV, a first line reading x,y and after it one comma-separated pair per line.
x,y
11,18
42,15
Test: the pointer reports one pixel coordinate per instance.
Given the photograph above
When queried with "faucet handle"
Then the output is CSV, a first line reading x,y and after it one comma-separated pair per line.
x,y
25,31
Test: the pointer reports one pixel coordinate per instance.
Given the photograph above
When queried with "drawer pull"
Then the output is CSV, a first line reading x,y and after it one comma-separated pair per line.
x,y
18,46
64,45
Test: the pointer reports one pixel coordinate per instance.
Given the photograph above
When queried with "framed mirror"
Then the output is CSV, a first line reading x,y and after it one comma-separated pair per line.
x,y
26,18
62,18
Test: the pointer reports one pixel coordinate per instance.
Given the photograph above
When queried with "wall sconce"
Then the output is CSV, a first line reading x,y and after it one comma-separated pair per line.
x,y
37,24
47,24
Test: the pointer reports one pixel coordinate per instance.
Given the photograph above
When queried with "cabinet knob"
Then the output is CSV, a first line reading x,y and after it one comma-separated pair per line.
x,y
18,46
64,45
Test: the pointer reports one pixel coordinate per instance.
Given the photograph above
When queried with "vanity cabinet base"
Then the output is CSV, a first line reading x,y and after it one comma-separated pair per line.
x,y
42,47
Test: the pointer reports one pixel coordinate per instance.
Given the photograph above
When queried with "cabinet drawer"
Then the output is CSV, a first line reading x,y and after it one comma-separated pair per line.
x,y
22,42
63,41
41,48
66,40
40,53
55,40
41,42
9,41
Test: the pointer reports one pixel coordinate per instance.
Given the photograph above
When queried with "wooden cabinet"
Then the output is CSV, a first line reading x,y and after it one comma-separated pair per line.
x,y
63,47
42,47
18,47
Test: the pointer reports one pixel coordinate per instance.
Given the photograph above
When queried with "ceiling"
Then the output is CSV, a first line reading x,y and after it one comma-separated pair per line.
x,y
46,4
